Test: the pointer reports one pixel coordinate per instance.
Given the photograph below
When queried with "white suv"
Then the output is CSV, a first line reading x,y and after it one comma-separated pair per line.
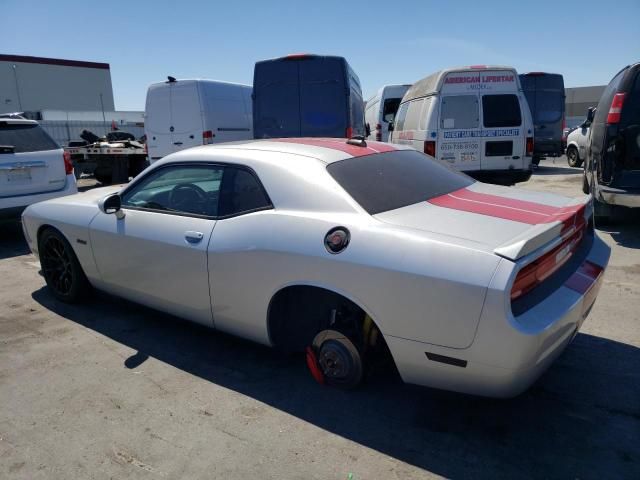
x,y
33,167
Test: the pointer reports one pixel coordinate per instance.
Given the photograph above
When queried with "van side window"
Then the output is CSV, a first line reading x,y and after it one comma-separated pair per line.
x,y
413,114
459,111
401,116
241,192
425,112
501,111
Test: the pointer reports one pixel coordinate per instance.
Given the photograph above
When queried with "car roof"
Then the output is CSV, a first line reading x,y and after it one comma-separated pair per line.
x,y
326,150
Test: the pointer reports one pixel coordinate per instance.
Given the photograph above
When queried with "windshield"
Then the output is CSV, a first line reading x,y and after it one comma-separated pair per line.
x,y
386,181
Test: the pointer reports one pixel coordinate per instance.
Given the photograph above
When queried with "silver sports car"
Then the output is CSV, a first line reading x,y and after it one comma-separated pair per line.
x,y
343,249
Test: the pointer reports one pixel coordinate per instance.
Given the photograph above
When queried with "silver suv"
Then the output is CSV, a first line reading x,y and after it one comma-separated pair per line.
x,y
33,167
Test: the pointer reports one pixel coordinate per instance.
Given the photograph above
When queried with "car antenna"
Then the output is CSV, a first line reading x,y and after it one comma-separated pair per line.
x,y
358,141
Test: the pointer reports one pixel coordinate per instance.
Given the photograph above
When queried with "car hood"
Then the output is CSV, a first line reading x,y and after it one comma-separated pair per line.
x,y
504,220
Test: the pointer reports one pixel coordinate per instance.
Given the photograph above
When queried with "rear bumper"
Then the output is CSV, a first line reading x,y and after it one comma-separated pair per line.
x,y
504,177
616,196
12,207
547,148
509,353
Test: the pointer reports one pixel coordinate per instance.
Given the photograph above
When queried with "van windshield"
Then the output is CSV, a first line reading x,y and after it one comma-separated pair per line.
x,y
387,181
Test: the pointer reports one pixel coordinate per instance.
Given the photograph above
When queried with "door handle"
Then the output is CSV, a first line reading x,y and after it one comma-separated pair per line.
x,y
177,143
193,237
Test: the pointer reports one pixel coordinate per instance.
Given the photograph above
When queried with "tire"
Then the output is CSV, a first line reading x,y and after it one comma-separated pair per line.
x,y
339,360
61,268
573,159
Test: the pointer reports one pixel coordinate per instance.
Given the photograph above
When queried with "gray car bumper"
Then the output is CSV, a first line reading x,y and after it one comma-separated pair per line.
x,y
616,196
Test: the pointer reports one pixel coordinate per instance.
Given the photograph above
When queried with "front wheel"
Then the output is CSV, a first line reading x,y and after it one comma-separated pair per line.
x,y
61,268
573,159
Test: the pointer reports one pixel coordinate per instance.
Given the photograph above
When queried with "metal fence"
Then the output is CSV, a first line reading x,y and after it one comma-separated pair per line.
x,y
65,131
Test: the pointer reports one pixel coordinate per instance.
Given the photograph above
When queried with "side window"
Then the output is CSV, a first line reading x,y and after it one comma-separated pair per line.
x,y
390,108
413,115
401,115
425,113
501,111
241,192
459,111
189,189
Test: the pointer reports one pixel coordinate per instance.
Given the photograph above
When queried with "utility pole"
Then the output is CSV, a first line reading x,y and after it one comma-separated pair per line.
x,y
104,120
15,77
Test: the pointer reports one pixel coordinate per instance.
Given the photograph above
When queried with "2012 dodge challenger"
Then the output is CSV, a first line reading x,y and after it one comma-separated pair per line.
x,y
341,249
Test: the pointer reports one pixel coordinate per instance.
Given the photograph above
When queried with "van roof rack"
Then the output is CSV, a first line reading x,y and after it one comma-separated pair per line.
x,y
358,141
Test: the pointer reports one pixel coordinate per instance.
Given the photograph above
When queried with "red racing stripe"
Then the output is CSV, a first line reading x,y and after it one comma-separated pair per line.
x,y
509,208
339,144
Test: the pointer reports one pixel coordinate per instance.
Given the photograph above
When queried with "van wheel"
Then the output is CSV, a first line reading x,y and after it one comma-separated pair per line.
x,y
573,159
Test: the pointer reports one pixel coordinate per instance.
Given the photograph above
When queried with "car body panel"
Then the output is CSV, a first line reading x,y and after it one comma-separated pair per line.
x,y
433,278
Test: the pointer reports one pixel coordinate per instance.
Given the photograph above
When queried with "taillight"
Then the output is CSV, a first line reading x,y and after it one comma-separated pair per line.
x,y
68,164
529,146
539,270
616,108
349,132
430,148
207,137
378,132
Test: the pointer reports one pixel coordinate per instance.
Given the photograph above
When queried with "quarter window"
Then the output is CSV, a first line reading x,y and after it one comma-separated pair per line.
x,y
187,189
241,192
459,111
501,111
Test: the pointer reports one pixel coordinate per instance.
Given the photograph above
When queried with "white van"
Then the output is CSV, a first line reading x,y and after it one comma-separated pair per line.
x,y
475,118
184,113
380,111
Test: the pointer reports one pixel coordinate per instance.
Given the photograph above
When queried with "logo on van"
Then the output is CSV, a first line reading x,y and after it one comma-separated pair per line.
x,y
481,79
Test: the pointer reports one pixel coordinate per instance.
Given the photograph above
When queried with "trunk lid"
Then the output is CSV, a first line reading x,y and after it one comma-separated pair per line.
x,y
509,222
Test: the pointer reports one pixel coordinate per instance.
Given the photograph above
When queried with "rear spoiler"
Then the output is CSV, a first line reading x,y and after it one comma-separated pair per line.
x,y
547,236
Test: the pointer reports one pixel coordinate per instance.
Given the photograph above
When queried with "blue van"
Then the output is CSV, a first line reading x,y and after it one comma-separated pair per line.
x,y
545,96
306,95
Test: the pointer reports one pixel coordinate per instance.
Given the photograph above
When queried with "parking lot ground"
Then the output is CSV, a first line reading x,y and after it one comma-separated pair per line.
x,y
109,389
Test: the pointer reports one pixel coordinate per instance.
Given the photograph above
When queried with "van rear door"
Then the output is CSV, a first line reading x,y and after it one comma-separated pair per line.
x,y
459,128
276,106
186,115
30,162
157,122
502,144
324,102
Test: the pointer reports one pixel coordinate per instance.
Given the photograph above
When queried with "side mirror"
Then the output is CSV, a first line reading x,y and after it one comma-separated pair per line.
x,y
111,204
590,115
390,127
367,129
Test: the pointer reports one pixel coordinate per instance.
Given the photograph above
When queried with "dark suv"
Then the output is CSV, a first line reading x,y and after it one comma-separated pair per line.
x,y
612,167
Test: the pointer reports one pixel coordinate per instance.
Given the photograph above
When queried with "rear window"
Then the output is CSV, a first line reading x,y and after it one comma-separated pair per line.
x,y
501,111
25,137
549,106
387,181
390,108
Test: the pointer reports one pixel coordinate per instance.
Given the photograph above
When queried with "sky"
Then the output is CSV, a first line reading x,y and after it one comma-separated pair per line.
x,y
385,42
